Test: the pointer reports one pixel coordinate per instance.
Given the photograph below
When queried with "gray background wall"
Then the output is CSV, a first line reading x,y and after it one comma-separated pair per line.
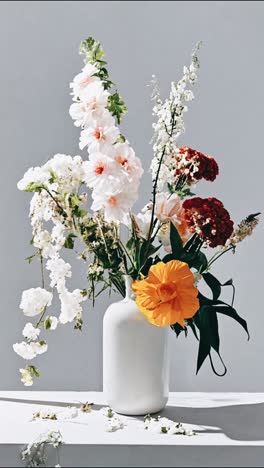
x,y
38,53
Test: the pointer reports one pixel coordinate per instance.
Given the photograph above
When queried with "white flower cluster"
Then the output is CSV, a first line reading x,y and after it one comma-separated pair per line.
x,y
53,183
61,176
169,123
162,425
112,171
34,301
114,423
35,453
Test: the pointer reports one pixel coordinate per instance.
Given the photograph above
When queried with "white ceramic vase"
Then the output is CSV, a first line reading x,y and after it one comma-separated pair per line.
x,y
135,359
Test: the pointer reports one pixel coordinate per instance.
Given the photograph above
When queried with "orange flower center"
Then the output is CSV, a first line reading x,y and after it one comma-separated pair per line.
x,y
99,134
99,169
112,201
122,160
166,291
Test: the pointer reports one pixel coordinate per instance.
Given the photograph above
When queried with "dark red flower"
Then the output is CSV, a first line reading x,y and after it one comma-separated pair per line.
x,y
208,218
195,165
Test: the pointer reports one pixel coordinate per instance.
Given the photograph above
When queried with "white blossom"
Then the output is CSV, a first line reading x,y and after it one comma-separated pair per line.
x,y
33,175
34,300
26,377
101,133
143,223
70,305
101,172
84,79
59,270
30,332
116,205
114,424
30,350
92,102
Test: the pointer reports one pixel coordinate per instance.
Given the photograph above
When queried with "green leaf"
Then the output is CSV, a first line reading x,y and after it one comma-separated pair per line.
x,y
121,139
34,370
79,212
31,257
147,266
226,309
69,241
92,50
191,324
176,241
116,106
177,328
199,262
78,324
168,258
213,284
204,342
209,337
35,187
47,323
53,176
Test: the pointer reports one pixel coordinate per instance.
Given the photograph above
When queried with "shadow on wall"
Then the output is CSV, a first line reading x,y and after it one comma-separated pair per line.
x,y
238,422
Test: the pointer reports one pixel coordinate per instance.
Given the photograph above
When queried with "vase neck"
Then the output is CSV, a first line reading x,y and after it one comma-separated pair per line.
x,y
129,291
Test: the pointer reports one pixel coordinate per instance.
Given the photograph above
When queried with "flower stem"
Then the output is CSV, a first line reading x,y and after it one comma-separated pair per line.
x,y
42,272
41,317
218,255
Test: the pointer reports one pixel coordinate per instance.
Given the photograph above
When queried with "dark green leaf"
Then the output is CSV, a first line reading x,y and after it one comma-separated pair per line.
x,y
228,283
226,309
213,284
209,335
176,241
69,241
168,258
193,328
147,266
199,262
177,328
204,344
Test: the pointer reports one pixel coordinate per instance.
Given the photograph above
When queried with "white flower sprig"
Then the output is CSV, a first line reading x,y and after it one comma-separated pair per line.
x,y
35,453
169,123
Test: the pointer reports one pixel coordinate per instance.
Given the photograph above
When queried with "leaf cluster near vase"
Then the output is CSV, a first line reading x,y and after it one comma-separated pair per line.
x,y
163,253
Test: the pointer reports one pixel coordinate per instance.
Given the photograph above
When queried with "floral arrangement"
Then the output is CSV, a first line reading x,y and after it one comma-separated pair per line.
x,y
85,204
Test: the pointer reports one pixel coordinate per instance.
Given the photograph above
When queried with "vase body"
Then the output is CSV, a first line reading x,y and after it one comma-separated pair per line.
x,y
135,359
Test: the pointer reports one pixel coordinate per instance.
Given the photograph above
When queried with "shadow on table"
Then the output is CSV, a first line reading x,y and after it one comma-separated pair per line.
x,y
238,422
63,404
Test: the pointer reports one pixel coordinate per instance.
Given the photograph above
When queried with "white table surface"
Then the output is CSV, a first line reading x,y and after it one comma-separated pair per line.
x,y
229,431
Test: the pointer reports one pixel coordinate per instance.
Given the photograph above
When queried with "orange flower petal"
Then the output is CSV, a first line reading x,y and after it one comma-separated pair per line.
x,y
168,295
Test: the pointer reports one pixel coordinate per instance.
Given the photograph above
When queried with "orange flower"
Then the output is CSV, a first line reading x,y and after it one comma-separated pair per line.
x,y
168,295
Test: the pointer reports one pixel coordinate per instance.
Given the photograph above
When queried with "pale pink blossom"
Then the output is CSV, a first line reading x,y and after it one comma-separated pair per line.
x,y
100,133
168,207
84,79
129,163
99,171
93,102
116,205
